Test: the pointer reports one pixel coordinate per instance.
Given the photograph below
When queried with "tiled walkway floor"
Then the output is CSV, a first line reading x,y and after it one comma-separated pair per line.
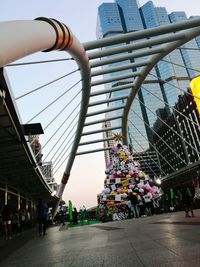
x,y
166,240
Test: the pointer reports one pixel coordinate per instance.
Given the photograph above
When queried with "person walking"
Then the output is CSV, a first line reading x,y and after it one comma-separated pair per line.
x,y
15,223
6,219
42,217
134,204
149,204
75,216
187,202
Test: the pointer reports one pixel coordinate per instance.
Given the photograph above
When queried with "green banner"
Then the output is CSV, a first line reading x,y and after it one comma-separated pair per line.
x,y
70,212
189,192
172,193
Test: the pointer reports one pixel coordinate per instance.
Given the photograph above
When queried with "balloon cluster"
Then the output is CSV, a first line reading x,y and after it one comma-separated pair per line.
x,y
123,177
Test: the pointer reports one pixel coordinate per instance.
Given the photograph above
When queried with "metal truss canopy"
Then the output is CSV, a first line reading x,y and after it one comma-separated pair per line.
x,y
152,44
161,41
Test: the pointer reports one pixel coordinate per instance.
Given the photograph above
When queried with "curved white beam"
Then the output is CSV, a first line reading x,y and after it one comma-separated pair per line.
x,y
115,78
119,68
121,38
128,56
21,38
135,46
92,151
102,120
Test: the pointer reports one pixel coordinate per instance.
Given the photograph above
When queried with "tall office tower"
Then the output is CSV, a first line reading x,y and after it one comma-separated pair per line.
x,y
124,16
109,24
140,132
188,51
119,17
174,75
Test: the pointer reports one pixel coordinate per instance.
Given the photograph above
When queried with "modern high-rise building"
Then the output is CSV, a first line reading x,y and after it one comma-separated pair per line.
x,y
187,144
158,94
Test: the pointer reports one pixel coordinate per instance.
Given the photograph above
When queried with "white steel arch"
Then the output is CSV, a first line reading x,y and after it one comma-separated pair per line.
x,y
168,37
52,34
20,38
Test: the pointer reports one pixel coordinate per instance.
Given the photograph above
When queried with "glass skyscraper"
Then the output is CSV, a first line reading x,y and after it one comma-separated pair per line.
x,y
154,97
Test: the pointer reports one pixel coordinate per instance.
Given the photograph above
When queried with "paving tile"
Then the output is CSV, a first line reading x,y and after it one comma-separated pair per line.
x,y
146,242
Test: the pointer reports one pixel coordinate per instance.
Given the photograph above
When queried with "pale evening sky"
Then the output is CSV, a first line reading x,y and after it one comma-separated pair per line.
x,y
87,174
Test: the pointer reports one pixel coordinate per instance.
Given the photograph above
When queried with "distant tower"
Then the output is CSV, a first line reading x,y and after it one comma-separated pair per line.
x,y
36,147
108,143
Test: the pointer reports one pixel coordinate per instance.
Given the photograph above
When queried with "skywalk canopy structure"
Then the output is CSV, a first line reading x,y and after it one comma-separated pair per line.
x,y
150,46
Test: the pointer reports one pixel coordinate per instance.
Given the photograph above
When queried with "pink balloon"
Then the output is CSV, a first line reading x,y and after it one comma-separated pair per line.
x,y
119,190
148,187
131,186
